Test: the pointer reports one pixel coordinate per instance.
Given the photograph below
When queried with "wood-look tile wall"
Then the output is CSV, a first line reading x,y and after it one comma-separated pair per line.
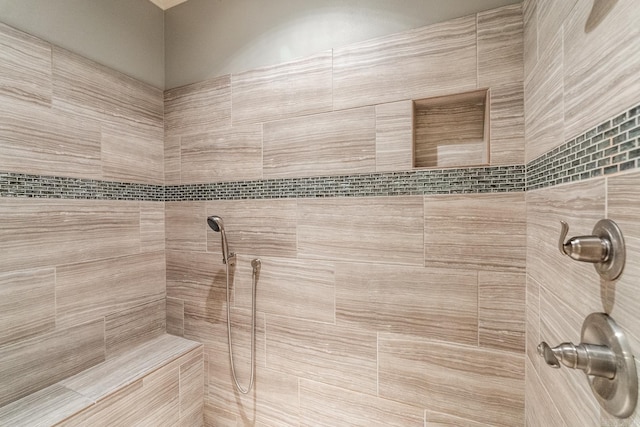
x,y
158,382
582,68
81,281
348,110
373,309
358,299
347,301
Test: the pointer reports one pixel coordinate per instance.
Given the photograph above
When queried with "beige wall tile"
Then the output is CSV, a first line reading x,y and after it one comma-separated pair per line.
x,y
35,140
46,232
500,46
581,205
185,226
27,303
533,321
192,391
132,152
83,87
544,103
602,60
206,322
501,310
130,327
453,154
352,408
429,61
362,229
418,371
99,288
165,352
507,124
336,355
540,409
32,364
273,402
25,67
152,236
484,231
195,276
172,162
430,303
199,107
394,136
276,394
436,419
284,90
288,287
622,296
254,227
217,417
175,315
225,154
341,142
552,14
530,18
571,391
111,410
44,407
153,400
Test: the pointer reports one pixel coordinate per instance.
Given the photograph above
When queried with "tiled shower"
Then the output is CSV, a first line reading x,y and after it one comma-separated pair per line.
x,y
388,295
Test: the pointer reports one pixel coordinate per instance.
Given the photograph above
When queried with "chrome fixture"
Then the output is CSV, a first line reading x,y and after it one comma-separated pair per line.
x,y
216,224
605,248
605,356
229,259
593,359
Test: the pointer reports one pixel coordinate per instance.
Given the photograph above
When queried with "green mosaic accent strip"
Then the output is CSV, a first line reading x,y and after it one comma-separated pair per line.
x,y
611,147
55,187
440,181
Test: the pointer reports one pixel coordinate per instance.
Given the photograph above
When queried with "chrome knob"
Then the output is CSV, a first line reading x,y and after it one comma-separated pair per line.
x,y
597,360
584,248
606,360
604,248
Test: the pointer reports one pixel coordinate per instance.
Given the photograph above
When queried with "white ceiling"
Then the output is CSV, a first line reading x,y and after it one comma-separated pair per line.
x,y
167,4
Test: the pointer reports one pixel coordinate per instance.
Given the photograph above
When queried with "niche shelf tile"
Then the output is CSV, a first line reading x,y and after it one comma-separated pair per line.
x,y
452,130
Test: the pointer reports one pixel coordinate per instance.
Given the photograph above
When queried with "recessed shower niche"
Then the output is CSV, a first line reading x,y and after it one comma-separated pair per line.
x,y
451,130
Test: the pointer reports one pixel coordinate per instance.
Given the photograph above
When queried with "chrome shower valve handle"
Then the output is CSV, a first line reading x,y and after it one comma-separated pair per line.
x,y
584,248
604,355
604,248
597,360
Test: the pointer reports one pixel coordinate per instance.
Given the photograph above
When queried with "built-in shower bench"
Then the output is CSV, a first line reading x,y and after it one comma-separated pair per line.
x,y
159,382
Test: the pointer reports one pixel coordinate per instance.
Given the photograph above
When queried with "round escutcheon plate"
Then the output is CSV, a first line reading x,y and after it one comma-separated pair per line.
x,y
619,395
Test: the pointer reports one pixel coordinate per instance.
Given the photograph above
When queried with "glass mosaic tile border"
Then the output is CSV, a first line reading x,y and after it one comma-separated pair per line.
x,y
430,181
39,186
611,147
440,181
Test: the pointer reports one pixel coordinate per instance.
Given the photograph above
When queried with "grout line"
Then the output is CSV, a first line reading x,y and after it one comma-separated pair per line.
x,y
333,74
378,363
264,315
478,305
477,55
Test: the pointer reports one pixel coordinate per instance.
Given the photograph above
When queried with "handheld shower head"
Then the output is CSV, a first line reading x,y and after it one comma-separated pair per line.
x,y
216,224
